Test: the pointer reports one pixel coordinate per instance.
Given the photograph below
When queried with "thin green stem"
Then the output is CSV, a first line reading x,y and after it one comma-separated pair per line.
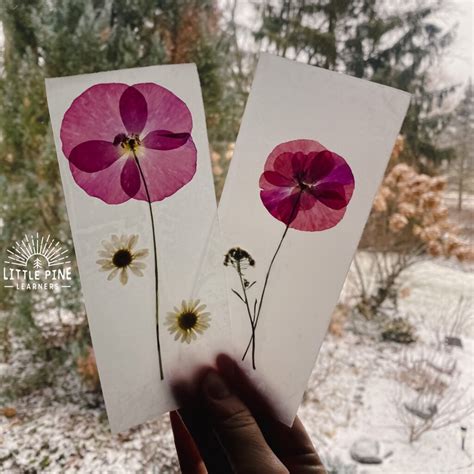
x,y
267,276
156,263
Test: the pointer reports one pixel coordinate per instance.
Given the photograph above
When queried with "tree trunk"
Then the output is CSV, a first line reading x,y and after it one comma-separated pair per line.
x,y
461,178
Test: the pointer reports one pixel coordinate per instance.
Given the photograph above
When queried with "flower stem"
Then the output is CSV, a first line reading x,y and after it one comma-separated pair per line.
x,y
246,301
156,263
267,276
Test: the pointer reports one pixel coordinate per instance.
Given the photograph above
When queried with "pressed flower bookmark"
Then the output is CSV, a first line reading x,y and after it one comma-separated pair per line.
x,y
133,156
123,150
311,152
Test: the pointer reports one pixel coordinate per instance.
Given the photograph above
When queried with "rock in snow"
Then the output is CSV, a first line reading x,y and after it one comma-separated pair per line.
x,y
366,451
453,341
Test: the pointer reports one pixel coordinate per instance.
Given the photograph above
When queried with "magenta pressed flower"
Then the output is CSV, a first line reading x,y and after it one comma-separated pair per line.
x,y
130,142
112,130
306,186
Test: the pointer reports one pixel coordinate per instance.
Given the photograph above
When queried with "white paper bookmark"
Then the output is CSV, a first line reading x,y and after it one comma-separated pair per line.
x,y
134,160
311,152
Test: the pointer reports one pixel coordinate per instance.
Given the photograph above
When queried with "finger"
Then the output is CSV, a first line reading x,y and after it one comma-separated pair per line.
x,y
292,445
190,460
237,430
196,419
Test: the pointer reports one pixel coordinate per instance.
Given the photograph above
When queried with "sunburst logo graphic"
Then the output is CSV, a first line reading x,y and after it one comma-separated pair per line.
x,y
33,248
37,262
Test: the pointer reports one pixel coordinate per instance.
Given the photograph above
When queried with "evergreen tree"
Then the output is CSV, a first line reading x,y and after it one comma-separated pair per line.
x,y
460,135
365,39
65,37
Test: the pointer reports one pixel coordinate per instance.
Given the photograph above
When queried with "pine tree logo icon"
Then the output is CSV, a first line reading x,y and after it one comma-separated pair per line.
x,y
37,263
43,252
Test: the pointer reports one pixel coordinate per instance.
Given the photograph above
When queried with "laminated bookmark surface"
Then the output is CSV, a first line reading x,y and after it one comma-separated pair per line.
x,y
310,155
134,160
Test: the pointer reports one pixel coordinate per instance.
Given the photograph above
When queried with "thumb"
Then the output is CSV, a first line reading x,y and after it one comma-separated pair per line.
x,y
237,430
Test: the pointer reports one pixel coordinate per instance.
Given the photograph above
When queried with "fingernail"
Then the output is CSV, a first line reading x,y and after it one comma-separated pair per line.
x,y
214,386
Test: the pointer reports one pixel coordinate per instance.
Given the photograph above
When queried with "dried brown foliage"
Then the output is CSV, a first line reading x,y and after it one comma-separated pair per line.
x,y
409,210
87,369
409,220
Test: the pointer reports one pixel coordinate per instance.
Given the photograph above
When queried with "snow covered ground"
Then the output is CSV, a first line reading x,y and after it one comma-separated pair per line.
x,y
355,392
360,401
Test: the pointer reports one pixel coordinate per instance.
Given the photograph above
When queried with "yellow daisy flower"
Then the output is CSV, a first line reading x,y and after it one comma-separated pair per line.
x,y
119,256
188,321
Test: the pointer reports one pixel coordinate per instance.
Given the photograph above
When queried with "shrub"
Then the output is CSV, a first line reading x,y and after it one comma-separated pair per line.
x,y
408,221
410,208
399,330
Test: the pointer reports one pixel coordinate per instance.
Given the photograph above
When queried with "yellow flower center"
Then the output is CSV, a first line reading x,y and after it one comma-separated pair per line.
x,y
130,143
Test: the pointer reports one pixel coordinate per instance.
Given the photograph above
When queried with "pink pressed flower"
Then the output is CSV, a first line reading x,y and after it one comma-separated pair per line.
x,y
306,186
125,142
112,130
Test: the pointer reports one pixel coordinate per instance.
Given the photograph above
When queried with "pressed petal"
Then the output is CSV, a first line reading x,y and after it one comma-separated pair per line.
x,y
341,173
165,110
113,274
108,246
104,185
130,178
167,171
280,159
103,253
321,164
282,164
94,155
276,179
282,208
133,110
132,241
142,253
307,201
123,241
165,140
107,267
299,163
331,195
123,276
136,270
94,115
318,218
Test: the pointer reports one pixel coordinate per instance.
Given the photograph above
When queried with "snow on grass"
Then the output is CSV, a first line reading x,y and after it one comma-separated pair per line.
x,y
352,393
358,396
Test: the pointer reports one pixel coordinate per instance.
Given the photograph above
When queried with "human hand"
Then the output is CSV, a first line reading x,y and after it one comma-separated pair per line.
x,y
227,427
